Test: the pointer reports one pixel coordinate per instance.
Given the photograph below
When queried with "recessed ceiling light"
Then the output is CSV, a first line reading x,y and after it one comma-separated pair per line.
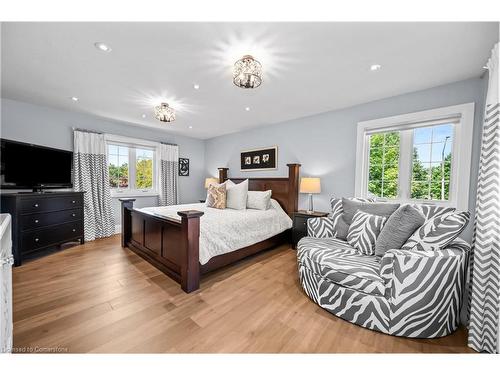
x,y
247,109
143,115
190,127
74,98
102,47
375,67
196,86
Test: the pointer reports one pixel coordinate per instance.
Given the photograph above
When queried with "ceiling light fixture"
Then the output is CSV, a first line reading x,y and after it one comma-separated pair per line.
x,y
375,67
190,127
143,115
74,98
102,47
164,113
247,73
247,109
196,86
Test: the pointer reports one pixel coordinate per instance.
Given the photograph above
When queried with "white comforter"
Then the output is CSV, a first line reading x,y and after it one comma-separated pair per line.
x,y
223,231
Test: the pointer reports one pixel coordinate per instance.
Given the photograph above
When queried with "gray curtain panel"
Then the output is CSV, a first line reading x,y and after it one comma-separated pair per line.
x,y
485,265
168,160
91,176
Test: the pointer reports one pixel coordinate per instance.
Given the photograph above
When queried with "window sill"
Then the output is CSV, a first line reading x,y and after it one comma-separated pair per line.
x,y
131,194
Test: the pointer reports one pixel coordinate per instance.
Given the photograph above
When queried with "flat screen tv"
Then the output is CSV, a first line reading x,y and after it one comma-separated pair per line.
x,y
28,166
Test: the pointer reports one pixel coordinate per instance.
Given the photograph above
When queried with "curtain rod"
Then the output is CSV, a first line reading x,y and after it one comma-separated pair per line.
x,y
96,132
86,130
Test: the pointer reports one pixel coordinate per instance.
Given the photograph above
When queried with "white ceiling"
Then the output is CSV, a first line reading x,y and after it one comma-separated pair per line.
x,y
308,68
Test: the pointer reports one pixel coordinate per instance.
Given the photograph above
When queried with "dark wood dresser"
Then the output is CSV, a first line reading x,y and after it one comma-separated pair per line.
x,y
41,220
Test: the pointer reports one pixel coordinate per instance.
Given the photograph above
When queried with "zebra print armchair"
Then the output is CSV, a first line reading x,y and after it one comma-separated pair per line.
x,y
405,293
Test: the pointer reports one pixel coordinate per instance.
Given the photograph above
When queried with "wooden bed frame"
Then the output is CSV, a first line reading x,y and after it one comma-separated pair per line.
x,y
173,246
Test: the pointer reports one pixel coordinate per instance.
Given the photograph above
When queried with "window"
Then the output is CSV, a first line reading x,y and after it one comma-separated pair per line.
x,y
384,164
118,166
419,157
431,162
131,166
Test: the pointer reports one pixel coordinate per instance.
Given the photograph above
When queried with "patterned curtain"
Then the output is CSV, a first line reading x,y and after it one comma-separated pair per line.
x,y
168,165
91,176
485,266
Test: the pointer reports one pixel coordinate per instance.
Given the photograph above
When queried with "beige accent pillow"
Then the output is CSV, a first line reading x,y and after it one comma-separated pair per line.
x,y
216,196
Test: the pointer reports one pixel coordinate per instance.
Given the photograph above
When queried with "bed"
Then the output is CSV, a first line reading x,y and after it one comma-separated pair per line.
x,y
186,241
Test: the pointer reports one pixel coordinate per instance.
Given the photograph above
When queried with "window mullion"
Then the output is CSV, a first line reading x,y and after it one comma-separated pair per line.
x,y
131,168
405,163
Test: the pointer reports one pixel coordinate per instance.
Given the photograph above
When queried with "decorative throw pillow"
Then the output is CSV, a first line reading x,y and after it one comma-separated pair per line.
x,y
259,200
216,196
398,228
438,231
350,207
236,195
431,211
340,227
364,231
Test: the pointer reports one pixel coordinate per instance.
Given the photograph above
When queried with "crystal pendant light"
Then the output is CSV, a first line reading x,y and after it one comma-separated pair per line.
x,y
164,113
247,73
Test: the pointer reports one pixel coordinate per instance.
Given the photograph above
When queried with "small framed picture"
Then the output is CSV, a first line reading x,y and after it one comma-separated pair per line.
x,y
183,167
259,159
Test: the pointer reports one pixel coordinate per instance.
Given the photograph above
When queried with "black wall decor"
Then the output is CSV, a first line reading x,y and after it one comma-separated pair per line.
x,y
259,159
183,167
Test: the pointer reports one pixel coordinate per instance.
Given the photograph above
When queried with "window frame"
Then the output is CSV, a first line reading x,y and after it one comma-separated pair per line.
x,y
461,151
133,144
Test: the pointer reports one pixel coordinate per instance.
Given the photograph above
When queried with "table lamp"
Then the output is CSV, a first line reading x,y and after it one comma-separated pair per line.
x,y
310,185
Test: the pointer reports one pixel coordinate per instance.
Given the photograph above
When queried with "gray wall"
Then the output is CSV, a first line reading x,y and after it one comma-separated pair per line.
x,y
52,127
325,144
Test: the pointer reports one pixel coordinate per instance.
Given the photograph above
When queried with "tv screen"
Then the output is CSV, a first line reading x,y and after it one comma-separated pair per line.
x,y
27,166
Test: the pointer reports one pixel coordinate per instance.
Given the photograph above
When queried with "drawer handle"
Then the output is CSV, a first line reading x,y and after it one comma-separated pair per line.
x,y
37,239
73,215
35,205
73,201
36,221
74,230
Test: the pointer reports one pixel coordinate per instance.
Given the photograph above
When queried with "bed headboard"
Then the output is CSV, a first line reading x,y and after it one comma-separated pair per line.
x,y
285,189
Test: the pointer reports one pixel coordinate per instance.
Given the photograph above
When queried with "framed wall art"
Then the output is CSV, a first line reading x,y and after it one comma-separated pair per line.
x,y
259,159
183,167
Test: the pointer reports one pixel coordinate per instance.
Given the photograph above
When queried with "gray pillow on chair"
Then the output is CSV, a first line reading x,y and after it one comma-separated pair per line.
x,y
375,208
398,228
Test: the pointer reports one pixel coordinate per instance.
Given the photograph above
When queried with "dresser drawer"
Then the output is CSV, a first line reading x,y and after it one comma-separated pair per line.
x,y
52,235
33,221
33,205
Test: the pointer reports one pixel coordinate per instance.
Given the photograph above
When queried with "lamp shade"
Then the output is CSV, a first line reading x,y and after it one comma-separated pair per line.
x,y
311,185
209,181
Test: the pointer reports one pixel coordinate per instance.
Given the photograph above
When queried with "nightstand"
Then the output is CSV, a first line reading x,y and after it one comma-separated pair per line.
x,y
299,229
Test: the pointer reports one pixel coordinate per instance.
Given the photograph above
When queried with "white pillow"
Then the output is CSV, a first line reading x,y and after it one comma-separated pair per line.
x,y
236,195
259,200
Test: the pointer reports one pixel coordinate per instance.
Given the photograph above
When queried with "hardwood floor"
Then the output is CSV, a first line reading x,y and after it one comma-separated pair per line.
x,y
99,297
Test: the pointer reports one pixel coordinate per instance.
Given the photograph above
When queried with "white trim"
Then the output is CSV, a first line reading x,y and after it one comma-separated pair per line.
x,y
118,228
130,141
462,150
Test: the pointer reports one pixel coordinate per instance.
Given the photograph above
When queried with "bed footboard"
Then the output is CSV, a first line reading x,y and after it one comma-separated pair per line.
x,y
171,246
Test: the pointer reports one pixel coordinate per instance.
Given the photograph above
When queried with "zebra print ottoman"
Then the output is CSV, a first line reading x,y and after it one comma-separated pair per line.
x,y
404,293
